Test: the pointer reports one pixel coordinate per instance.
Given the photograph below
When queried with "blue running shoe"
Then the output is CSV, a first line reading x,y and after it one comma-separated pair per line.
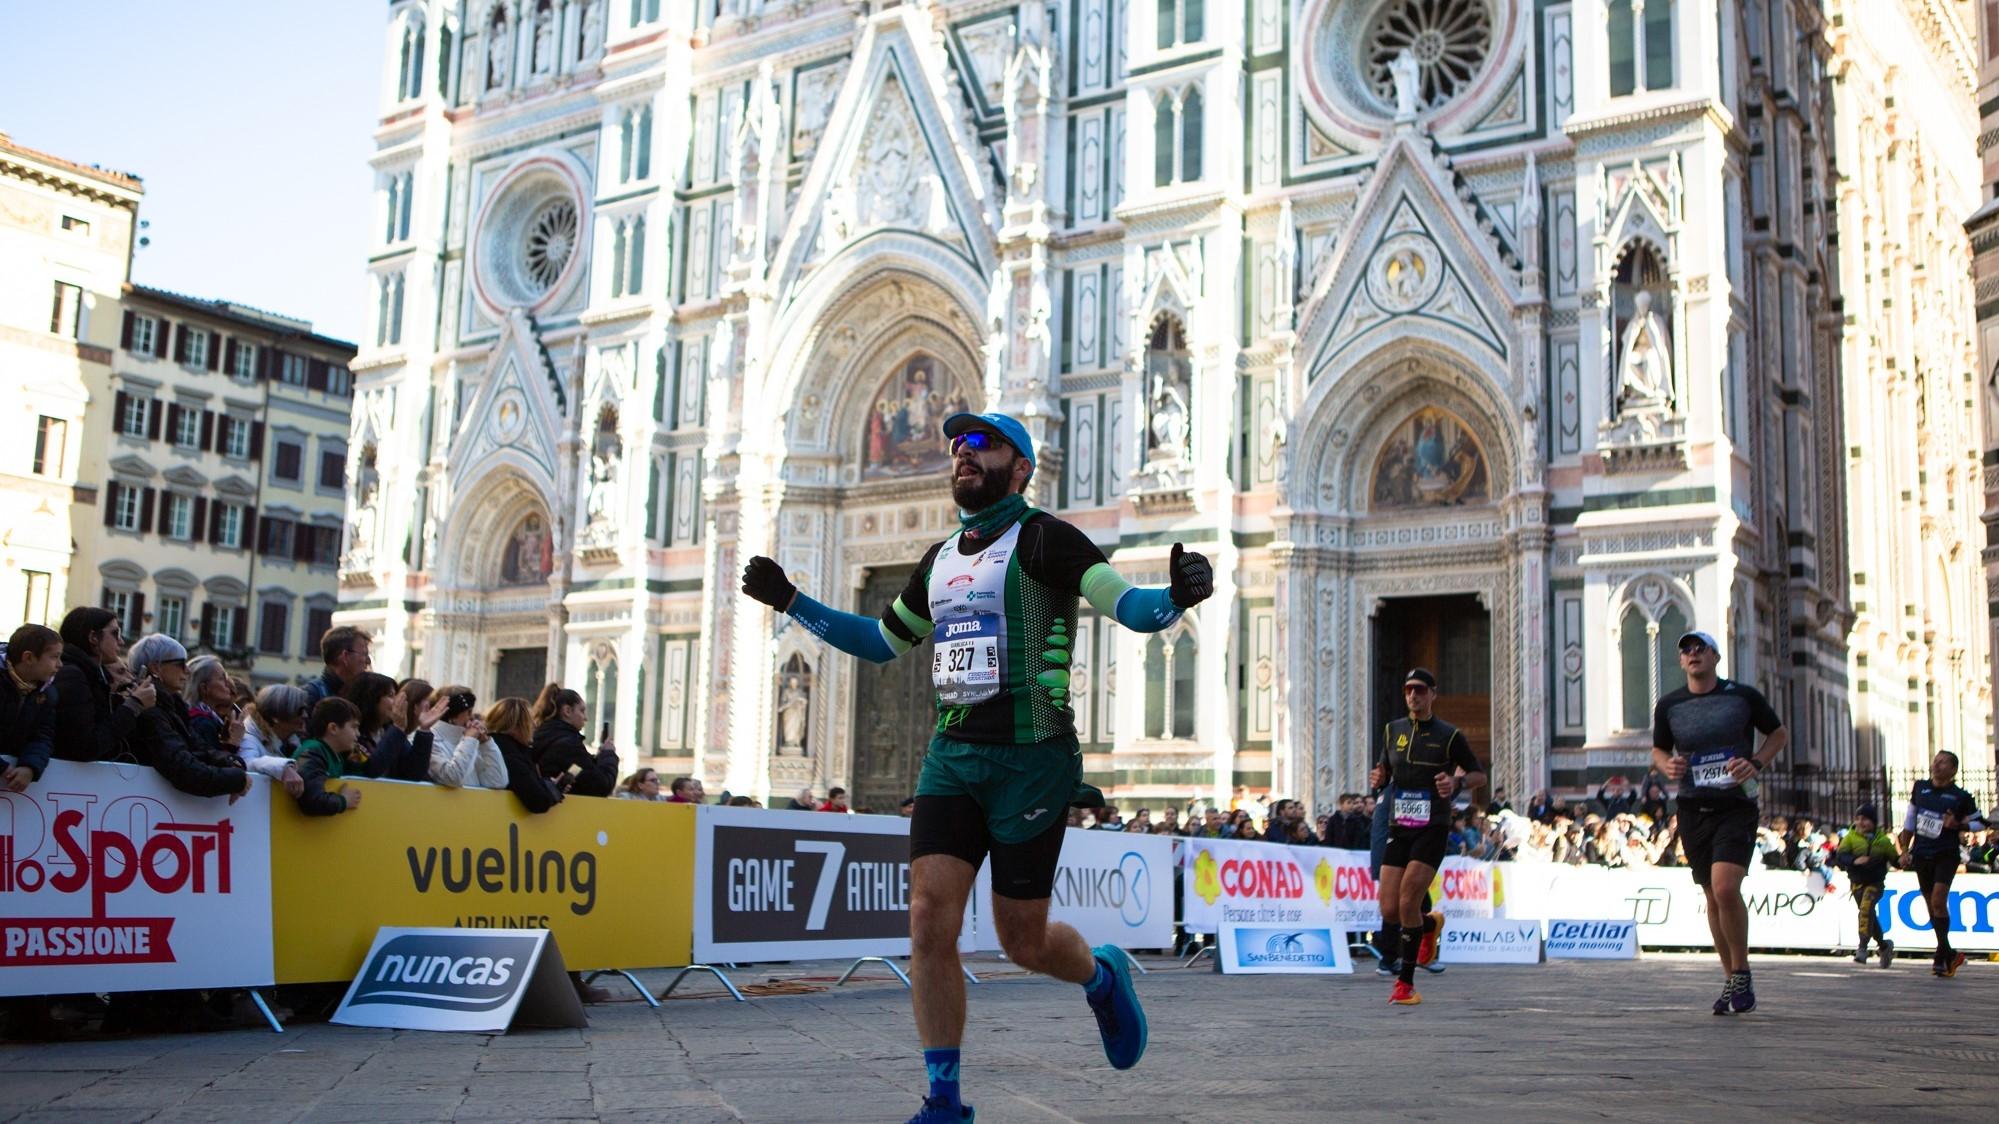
x,y
1119,1018
937,1110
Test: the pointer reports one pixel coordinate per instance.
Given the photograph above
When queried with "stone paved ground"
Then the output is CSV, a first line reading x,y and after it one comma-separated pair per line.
x,y
1566,1041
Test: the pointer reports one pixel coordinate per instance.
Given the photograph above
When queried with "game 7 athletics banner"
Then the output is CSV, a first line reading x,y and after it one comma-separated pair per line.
x,y
610,878
112,880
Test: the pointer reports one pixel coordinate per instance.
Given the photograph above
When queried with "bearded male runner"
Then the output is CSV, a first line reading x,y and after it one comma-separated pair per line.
x,y
999,600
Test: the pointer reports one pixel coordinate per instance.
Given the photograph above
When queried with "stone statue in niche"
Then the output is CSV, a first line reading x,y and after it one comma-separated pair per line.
x,y
361,526
1407,75
544,40
1645,374
1169,370
600,510
794,706
499,53
593,30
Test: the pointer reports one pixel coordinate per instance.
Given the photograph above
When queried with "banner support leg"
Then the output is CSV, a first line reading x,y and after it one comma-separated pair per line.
x,y
967,969
892,966
265,1009
710,969
1204,950
1133,961
629,978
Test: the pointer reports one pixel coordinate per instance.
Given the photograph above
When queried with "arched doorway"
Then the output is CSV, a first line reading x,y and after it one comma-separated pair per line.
x,y
1402,498
865,472
490,623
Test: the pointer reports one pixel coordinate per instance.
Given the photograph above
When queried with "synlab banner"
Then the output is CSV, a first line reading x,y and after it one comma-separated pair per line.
x,y
1231,882
776,885
110,880
607,877
1113,887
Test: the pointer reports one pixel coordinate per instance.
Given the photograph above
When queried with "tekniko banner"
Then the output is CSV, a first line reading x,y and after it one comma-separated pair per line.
x,y
111,880
1113,887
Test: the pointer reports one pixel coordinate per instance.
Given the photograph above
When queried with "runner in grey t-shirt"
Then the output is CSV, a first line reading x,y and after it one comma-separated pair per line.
x,y
1703,737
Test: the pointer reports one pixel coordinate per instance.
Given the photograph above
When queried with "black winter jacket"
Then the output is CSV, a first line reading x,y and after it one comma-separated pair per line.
x,y
167,744
558,745
534,791
317,762
27,725
392,756
94,727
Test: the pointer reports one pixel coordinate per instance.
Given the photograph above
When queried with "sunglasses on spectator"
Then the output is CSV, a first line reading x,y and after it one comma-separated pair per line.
x,y
1417,688
978,440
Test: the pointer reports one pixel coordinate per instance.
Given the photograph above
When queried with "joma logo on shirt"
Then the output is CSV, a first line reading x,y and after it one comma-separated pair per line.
x,y
959,628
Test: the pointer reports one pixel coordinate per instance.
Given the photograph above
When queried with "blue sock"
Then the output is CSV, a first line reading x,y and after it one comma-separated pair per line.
x,y
1100,984
942,1066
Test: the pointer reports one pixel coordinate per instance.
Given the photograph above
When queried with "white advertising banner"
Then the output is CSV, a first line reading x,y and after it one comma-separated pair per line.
x,y
1248,882
480,980
1113,887
1592,940
1488,941
112,880
1264,950
1905,918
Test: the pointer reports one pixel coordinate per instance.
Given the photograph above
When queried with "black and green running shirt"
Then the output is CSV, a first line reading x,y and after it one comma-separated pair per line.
x,y
1001,610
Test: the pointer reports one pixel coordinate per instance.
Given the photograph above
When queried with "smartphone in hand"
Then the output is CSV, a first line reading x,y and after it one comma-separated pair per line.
x,y
604,732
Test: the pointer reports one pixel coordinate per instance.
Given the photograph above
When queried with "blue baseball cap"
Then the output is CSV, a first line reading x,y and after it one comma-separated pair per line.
x,y
1010,431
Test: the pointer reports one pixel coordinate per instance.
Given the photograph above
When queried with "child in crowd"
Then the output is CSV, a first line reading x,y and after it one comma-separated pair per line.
x,y
1866,853
332,743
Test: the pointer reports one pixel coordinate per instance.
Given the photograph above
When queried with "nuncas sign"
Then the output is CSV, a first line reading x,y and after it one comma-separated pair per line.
x,y
461,979
608,877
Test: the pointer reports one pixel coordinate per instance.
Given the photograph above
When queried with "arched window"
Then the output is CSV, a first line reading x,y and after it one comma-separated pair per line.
x,y
1176,137
635,144
617,259
1181,21
395,207
635,257
409,72
1170,661
1648,652
1641,46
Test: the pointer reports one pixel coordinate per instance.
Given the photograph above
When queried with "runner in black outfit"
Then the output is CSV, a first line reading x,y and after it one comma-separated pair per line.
x,y
1932,834
1703,736
1424,762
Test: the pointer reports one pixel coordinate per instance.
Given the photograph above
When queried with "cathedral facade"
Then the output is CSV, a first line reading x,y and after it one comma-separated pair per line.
x,y
1498,336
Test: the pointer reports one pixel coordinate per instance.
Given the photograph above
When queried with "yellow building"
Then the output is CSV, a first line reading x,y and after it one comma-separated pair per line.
x,y
66,241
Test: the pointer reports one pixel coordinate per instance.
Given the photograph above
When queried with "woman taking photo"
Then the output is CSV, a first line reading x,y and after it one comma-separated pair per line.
x,y
97,706
559,751
462,755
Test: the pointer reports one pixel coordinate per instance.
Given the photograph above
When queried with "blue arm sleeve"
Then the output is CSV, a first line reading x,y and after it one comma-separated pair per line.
x,y
853,634
1146,609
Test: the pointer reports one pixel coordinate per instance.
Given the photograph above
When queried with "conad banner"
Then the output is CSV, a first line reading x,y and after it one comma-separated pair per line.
x,y
111,880
607,877
1113,887
1228,881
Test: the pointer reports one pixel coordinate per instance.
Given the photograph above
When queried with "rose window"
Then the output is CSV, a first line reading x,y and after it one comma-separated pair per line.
x,y
1449,40
551,239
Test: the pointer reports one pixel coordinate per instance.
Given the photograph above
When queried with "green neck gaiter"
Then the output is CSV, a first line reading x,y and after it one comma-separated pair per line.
x,y
994,520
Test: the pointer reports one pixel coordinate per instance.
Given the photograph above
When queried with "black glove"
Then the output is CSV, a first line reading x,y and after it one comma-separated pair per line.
x,y
764,580
1191,580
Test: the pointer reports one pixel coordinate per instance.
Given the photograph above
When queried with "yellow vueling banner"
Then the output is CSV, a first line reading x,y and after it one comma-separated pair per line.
x,y
613,879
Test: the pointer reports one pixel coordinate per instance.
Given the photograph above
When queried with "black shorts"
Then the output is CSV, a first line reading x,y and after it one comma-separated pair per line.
x,y
1426,846
956,826
1934,870
1717,833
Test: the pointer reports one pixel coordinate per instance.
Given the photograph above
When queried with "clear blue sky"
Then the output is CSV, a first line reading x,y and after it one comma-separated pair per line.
x,y
249,122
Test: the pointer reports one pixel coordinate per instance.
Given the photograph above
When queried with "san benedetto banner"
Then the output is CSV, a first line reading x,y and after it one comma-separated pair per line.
x,y
774,885
111,880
